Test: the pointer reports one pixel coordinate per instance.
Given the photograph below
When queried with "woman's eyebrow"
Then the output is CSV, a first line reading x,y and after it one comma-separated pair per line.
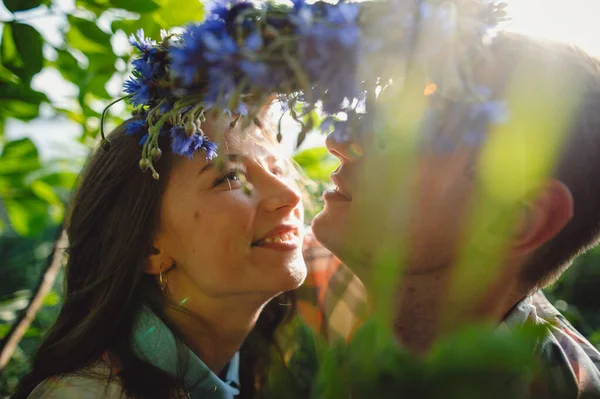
x,y
231,157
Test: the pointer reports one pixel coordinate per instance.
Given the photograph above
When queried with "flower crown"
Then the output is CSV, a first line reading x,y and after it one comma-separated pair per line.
x,y
335,56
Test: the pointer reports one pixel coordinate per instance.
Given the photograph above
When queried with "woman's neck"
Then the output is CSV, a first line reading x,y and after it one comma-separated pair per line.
x,y
215,329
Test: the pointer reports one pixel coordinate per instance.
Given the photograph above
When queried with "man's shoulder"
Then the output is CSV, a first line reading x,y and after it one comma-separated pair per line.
x,y
93,382
565,349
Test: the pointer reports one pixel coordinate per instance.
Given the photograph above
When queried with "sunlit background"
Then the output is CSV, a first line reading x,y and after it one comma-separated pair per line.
x,y
573,21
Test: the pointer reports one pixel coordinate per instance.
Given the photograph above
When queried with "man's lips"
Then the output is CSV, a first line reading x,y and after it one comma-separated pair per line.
x,y
339,191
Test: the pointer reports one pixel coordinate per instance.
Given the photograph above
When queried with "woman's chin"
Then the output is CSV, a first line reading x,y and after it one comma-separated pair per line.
x,y
293,275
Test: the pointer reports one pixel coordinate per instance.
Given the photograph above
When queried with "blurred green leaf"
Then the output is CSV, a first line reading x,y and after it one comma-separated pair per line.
x,y
60,179
21,5
32,332
19,156
87,37
181,12
102,63
21,50
96,84
318,163
45,192
8,49
51,299
151,23
19,101
4,329
68,66
136,5
27,215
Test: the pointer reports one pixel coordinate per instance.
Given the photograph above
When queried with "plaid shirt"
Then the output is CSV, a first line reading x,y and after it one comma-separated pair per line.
x,y
333,302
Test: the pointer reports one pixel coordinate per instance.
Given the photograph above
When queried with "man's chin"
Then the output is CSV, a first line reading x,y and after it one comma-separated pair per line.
x,y
332,234
328,230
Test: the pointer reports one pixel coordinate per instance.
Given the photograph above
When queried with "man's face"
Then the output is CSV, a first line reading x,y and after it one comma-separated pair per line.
x,y
392,200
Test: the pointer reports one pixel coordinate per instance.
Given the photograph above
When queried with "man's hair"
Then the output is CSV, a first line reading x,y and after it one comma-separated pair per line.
x,y
578,162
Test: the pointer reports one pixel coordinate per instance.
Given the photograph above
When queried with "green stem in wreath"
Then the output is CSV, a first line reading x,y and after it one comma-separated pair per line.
x,y
105,144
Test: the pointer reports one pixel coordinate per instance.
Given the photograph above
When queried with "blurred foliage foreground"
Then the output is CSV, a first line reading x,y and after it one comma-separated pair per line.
x,y
34,190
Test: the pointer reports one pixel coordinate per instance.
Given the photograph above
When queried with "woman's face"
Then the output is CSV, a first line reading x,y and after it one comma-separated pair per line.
x,y
217,239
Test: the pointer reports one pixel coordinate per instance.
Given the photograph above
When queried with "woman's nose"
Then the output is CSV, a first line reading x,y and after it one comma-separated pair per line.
x,y
280,194
346,149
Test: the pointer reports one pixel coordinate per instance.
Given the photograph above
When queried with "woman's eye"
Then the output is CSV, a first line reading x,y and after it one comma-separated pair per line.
x,y
233,178
277,171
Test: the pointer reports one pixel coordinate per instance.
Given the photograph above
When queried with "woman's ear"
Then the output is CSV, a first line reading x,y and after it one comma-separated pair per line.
x,y
542,219
158,258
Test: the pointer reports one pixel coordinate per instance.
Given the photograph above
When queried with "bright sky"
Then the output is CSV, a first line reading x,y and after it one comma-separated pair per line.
x,y
574,21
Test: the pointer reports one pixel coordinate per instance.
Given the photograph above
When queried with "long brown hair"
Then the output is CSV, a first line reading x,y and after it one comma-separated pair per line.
x,y
112,220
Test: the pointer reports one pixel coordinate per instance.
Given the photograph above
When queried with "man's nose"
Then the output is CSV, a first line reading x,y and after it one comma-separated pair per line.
x,y
348,150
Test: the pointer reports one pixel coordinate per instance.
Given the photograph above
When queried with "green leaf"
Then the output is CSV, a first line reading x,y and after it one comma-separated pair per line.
x,y
27,215
140,6
95,6
45,192
21,50
102,63
64,180
68,66
32,332
151,23
87,37
21,5
317,163
187,11
8,49
19,157
51,299
4,329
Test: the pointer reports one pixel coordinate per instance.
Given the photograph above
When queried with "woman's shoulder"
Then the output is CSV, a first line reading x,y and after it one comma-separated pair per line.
x,y
94,382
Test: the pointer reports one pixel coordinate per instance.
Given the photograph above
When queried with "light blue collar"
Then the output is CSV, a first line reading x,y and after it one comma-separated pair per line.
x,y
154,343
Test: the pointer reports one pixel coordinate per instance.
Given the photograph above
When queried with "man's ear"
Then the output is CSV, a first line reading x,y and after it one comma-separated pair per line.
x,y
158,259
543,218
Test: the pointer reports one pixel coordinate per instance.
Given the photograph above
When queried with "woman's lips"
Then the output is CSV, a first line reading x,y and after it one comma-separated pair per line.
x,y
282,239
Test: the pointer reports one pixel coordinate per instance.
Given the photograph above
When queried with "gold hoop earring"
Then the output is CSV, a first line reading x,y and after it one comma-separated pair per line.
x,y
162,280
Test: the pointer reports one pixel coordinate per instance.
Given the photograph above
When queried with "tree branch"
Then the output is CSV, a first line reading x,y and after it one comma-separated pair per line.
x,y
18,329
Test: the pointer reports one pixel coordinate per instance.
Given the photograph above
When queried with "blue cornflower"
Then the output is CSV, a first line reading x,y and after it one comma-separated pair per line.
x,y
185,145
189,57
328,51
140,90
210,148
344,16
167,106
136,127
227,60
181,143
142,43
298,4
480,116
220,8
342,131
145,70
144,139
256,72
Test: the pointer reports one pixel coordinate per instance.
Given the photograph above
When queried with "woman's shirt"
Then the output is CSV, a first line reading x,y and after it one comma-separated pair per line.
x,y
154,343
